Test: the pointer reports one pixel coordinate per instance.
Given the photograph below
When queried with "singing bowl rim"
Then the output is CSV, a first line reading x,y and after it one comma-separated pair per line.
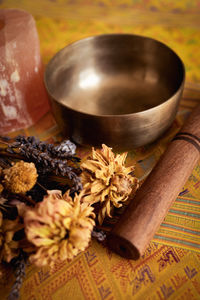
x,y
72,44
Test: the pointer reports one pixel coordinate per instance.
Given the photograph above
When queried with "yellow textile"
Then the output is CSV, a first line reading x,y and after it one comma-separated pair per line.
x,y
170,267
163,273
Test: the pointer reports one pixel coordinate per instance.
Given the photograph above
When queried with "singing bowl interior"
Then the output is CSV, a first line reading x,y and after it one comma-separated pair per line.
x,y
113,75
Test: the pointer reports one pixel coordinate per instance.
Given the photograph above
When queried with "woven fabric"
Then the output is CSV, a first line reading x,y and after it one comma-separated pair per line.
x,y
162,273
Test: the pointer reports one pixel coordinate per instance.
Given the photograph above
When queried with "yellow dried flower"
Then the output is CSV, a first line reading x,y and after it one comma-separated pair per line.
x,y
20,178
8,247
59,227
106,180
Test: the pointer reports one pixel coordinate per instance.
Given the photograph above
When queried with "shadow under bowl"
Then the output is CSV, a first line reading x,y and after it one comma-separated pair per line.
x,y
122,90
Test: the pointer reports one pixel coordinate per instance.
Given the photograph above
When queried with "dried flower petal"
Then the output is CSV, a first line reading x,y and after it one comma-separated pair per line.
x,y
59,227
106,180
20,178
8,247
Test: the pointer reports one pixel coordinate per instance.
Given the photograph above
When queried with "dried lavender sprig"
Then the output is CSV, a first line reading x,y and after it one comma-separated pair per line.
x,y
65,150
49,158
19,265
34,149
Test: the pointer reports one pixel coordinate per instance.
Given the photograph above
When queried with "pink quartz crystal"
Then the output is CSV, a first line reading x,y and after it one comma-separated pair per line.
x,y
23,98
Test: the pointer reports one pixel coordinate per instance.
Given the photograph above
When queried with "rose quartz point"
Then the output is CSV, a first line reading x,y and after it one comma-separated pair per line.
x,y
23,98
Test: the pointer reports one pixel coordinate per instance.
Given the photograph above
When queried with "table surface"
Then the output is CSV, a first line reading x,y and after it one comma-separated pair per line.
x,y
170,267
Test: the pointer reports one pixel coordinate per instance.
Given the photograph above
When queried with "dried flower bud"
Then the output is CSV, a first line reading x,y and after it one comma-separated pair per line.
x,y
106,180
20,178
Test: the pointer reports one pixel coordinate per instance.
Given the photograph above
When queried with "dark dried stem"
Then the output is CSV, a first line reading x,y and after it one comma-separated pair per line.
x,y
27,199
4,142
41,186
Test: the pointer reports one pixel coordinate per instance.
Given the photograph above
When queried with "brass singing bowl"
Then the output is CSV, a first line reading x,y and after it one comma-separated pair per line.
x,y
119,89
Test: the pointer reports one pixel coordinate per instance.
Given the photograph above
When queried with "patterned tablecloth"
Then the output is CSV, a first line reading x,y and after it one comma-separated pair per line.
x,y
170,267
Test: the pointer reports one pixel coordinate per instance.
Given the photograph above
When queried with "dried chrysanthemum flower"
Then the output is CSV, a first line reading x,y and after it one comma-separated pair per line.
x,y
20,178
59,227
8,247
106,180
